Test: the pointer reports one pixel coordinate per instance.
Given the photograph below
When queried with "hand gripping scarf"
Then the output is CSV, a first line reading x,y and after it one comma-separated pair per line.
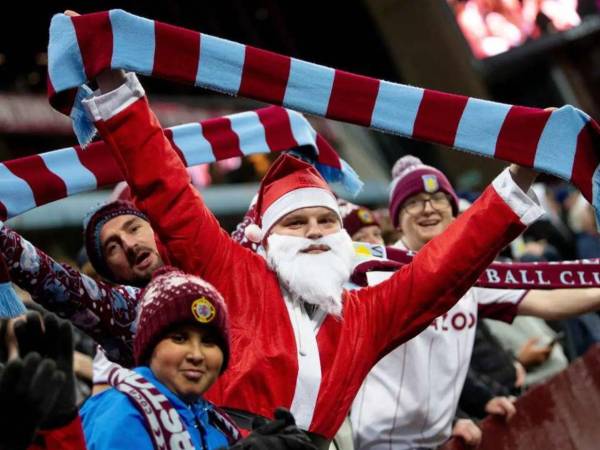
x,y
32,181
563,142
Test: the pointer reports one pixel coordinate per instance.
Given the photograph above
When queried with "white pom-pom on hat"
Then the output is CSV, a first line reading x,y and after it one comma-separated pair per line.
x,y
405,163
253,233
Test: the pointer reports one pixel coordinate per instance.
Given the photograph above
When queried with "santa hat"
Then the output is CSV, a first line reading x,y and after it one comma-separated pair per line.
x,y
174,297
355,217
411,177
92,226
290,184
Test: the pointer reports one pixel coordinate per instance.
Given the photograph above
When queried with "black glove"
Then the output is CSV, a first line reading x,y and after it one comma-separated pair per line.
x,y
28,391
54,341
281,433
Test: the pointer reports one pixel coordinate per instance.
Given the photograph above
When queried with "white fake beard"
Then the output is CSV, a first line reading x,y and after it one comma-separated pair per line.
x,y
316,278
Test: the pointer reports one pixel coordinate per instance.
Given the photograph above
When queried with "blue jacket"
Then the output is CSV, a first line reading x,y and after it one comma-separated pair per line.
x,y
112,421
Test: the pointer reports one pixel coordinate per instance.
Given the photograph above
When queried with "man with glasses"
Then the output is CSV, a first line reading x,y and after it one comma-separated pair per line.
x,y
438,201
409,399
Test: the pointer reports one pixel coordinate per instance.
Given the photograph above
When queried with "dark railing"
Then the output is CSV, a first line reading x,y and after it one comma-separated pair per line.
x,y
563,413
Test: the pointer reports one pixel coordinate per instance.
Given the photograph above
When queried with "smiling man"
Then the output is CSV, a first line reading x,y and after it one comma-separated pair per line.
x,y
300,340
409,399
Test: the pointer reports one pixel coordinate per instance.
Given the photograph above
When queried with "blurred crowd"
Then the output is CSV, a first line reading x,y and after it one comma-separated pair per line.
x,y
495,26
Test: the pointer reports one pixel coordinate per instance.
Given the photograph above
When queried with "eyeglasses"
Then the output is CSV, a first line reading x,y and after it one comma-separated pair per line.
x,y
438,201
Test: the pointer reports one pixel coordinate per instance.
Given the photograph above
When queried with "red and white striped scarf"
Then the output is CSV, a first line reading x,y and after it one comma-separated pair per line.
x,y
564,142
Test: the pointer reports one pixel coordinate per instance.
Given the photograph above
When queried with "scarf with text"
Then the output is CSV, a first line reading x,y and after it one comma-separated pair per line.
x,y
563,142
166,428
33,181
503,275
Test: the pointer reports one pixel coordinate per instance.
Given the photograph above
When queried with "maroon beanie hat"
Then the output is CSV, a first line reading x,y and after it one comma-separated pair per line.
x,y
174,297
355,217
410,177
92,226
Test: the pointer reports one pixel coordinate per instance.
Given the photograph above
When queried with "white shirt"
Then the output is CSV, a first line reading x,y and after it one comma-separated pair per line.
x,y
410,397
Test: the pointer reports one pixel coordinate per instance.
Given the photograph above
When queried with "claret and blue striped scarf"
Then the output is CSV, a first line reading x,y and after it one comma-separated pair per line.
x,y
35,180
563,142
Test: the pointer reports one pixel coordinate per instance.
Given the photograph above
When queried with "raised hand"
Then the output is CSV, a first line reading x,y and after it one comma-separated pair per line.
x,y
28,392
51,338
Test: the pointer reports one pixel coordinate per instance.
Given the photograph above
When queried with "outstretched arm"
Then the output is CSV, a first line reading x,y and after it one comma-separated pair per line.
x,y
560,304
103,311
156,174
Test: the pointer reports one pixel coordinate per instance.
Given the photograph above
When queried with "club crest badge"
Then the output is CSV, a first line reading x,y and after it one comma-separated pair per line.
x,y
365,216
203,310
430,183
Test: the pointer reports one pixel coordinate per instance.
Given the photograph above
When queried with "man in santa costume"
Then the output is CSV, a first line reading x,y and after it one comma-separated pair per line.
x,y
409,399
301,341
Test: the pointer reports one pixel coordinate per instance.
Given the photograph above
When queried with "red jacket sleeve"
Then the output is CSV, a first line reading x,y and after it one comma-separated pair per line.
x,y
69,437
440,274
103,311
154,169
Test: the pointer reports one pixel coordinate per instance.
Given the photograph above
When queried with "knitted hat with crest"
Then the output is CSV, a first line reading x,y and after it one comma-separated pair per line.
x,y
356,217
410,177
173,297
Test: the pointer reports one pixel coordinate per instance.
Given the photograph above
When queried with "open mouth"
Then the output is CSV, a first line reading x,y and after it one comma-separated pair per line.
x,y
143,259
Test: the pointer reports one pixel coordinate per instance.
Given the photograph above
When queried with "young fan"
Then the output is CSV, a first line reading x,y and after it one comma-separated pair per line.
x,y
360,223
181,347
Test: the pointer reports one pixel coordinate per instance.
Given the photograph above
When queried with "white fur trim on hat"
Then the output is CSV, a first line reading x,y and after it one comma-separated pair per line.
x,y
296,199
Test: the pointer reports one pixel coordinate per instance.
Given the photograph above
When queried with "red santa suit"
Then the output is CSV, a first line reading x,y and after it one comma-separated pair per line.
x,y
281,356
67,437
